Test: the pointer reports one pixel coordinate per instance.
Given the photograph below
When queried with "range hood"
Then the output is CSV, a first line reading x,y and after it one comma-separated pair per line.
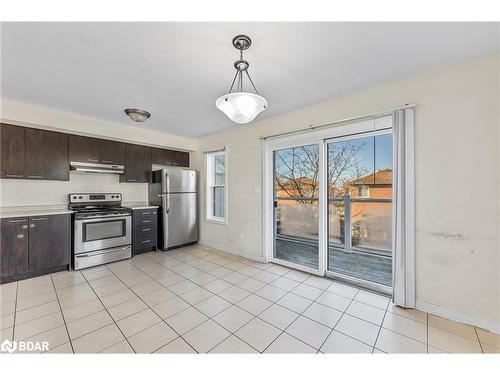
x,y
96,167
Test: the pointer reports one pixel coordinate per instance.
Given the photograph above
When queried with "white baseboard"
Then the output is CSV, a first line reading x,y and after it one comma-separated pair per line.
x,y
459,317
232,251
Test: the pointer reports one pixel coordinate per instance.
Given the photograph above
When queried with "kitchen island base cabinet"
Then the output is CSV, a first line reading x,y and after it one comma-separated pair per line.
x,y
34,246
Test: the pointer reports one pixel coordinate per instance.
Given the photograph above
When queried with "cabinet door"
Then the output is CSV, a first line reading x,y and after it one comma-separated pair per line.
x,y
137,164
181,158
161,156
111,152
83,149
13,151
14,246
46,155
49,241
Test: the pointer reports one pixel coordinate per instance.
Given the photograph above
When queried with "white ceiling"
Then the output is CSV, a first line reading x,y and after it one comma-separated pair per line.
x,y
177,70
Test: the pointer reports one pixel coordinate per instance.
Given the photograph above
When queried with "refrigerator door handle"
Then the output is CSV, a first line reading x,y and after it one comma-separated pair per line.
x,y
167,203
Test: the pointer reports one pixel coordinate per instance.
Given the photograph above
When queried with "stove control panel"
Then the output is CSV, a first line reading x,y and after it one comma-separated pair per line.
x,y
94,197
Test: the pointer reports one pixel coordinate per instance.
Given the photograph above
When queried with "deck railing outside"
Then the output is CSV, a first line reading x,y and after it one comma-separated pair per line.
x,y
354,224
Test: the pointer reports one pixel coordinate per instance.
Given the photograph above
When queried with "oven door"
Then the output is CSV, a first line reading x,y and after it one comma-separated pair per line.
x,y
102,233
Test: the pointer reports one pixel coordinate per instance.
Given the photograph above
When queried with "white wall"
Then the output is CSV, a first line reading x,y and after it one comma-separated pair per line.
x,y
457,181
32,192
27,193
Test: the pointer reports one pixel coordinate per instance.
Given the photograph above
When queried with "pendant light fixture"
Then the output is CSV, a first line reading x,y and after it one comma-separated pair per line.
x,y
241,106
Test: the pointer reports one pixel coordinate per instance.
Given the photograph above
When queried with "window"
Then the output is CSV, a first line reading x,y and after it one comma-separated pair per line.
x,y
364,191
216,185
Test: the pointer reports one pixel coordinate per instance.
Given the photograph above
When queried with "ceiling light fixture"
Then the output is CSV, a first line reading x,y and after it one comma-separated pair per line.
x,y
240,106
138,115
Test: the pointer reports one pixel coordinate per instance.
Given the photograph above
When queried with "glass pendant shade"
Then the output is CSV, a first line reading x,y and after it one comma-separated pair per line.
x,y
241,107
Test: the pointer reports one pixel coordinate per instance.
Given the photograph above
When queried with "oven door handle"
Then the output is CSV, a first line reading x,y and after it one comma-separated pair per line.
x,y
103,218
96,253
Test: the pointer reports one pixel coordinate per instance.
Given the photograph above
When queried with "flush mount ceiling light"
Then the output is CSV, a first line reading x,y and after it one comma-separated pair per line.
x,y
240,106
137,115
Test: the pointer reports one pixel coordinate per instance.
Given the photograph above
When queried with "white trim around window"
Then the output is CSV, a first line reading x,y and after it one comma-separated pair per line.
x,y
216,197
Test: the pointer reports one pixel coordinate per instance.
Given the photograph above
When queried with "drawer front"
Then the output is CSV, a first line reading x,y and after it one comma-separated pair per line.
x,y
144,242
146,220
146,212
145,229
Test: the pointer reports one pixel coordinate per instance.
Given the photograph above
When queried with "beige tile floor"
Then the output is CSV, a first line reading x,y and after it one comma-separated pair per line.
x,y
197,299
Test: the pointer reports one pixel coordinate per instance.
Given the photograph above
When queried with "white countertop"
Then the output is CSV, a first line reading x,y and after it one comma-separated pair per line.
x,y
25,211
138,205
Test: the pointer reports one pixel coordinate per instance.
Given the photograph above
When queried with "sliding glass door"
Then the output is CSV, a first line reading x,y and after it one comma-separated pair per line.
x,y
360,207
331,203
296,188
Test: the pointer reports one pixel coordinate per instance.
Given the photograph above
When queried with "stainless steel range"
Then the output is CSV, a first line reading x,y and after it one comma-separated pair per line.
x,y
102,229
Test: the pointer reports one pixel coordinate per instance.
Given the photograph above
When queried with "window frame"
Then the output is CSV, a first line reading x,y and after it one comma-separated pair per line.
x,y
210,185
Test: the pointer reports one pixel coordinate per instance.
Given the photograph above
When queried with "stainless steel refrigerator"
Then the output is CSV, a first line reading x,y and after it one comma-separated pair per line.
x,y
175,191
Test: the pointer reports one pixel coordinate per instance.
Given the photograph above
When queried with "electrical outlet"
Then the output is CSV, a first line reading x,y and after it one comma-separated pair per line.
x,y
241,235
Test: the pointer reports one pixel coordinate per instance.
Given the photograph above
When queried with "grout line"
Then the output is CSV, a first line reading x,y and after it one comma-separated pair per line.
x,y
150,308
427,331
480,344
15,312
106,309
60,311
379,329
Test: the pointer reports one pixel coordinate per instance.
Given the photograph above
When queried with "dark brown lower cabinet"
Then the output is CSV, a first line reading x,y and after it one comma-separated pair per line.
x,y
33,246
49,241
144,223
14,246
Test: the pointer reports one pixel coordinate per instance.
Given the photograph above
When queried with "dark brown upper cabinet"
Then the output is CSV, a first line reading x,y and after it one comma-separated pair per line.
x,y
13,151
111,152
137,164
181,158
94,150
83,149
46,155
170,157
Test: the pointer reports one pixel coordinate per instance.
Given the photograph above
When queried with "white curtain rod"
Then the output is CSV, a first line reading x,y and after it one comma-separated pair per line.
x,y
338,122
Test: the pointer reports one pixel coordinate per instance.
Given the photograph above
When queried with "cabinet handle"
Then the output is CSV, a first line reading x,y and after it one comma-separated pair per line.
x,y
93,160
145,241
146,221
14,175
25,226
35,176
32,225
18,221
107,161
39,219
146,229
20,236
131,180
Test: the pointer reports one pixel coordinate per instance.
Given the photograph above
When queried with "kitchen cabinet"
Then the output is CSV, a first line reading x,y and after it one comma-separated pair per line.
x,y
137,164
111,152
170,157
49,241
13,151
94,150
46,155
181,158
14,246
144,235
83,149
32,246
